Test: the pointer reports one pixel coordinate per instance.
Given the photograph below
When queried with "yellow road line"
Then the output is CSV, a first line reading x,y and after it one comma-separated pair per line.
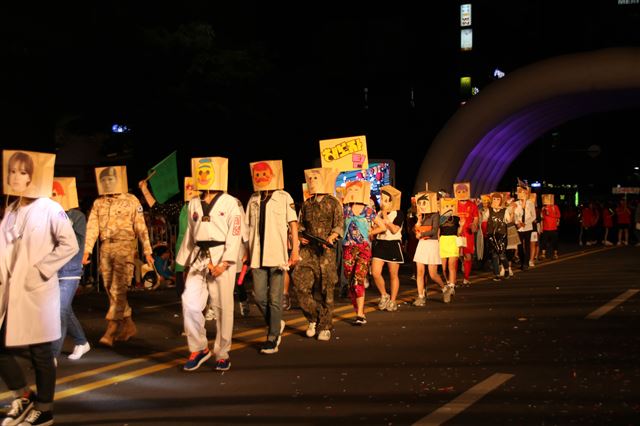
x,y
235,346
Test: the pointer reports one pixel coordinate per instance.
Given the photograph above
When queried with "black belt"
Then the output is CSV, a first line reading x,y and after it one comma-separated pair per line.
x,y
208,244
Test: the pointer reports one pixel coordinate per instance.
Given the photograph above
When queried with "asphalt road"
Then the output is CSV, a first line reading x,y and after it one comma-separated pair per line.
x,y
555,345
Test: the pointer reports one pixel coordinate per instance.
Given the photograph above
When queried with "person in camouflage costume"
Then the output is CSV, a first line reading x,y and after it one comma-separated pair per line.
x,y
118,221
320,216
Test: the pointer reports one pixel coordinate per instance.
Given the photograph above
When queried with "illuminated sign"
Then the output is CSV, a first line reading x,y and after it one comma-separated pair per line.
x,y
465,15
466,39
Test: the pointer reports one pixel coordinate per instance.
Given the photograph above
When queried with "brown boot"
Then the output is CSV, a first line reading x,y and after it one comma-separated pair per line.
x,y
127,330
112,329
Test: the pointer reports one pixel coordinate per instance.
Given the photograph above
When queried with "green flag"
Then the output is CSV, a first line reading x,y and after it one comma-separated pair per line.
x,y
164,181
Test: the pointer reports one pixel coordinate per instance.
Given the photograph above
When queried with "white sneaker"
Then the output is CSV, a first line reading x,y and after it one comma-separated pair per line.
x,y
532,263
311,330
510,271
384,301
324,335
501,271
79,350
210,314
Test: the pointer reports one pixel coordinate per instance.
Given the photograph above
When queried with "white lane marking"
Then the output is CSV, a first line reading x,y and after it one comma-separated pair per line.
x,y
464,401
602,310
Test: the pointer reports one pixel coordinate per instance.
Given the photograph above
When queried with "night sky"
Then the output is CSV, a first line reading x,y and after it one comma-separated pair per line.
x,y
208,79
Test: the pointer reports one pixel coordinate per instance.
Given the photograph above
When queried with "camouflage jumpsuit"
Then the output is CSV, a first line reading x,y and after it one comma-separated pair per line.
x,y
119,222
318,265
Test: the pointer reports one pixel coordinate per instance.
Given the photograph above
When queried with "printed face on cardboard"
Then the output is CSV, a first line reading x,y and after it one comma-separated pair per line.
x,y
190,191
390,198
448,206
65,192
496,200
522,193
547,199
357,192
321,180
210,173
426,202
112,180
267,175
27,173
462,190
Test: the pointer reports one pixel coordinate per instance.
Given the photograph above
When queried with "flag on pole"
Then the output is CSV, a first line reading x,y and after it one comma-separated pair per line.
x,y
164,178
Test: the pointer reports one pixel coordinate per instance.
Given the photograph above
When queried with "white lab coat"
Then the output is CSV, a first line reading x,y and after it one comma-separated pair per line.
x,y
29,292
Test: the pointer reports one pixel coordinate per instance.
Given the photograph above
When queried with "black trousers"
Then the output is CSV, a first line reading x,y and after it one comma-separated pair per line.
x,y
41,355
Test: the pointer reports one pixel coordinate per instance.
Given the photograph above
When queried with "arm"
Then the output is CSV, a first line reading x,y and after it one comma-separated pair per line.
x,y
66,244
145,191
140,229
338,223
93,229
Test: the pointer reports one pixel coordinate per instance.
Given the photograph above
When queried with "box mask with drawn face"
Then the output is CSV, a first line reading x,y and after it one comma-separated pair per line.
x,y
448,206
547,199
390,198
112,180
462,190
522,193
210,173
27,173
485,200
190,191
267,175
65,192
426,202
357,192
321,180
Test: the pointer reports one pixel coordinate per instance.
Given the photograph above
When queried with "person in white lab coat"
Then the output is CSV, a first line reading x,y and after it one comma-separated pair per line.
x,y
36,240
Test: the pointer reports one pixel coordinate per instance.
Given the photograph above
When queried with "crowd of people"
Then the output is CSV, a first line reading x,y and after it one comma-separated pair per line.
x,y
333,240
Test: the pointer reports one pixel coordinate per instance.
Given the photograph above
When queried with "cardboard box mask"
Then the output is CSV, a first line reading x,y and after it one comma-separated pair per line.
x,y
462,190
426,202
547,199
65,192
358,191
321,180
448,206
344,154
27,173
210,173
112,180
390,198
523,193
267,175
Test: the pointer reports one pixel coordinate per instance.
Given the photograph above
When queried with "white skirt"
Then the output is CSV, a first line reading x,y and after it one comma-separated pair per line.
x,y
428,252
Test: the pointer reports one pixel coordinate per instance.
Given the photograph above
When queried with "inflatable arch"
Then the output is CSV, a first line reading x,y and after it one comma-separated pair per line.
x,y
483,137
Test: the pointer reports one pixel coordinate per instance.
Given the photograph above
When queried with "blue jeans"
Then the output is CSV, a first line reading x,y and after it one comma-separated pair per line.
x,y
268,286
69,323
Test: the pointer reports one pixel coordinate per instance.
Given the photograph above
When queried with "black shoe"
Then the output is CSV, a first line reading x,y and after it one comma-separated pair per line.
x,y
39,418
270,347
360,321
20,408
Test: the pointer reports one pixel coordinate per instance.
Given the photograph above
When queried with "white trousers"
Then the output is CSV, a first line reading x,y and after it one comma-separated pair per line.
x,y
199,285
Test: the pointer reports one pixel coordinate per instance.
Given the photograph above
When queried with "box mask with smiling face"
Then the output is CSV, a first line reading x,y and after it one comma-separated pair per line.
x,y
485,199
547,199
27,173
321,180
112,180
390,198
448,206
267,175
65,192
426,202
462,190
190,191
357,192
210,173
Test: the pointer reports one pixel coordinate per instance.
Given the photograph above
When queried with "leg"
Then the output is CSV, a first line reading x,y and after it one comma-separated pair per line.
x,y
394,280
276,284
42,360
433,273
420,282
194,300
376,272
221,291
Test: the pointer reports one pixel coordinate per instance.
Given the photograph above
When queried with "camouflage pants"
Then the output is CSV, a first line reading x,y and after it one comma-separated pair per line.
x,y
116,267
317,268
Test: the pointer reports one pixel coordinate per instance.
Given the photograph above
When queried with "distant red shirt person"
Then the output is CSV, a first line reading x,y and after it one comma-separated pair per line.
x,y
468,213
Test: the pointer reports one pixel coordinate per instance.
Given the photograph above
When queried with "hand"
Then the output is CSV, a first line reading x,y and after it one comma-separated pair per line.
x,y
85,258
142,185
295,258
303,240
331,239
149,259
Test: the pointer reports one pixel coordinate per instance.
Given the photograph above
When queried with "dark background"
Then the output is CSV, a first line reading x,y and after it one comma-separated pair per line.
x,y
210,78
